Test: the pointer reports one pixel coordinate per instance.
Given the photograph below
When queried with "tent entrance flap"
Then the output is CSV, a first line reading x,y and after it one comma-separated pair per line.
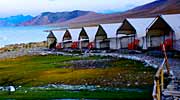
x,y
67,36
83,35
125,40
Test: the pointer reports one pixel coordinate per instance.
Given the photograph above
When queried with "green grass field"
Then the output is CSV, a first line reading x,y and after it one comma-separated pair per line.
x,y
43,95
28,71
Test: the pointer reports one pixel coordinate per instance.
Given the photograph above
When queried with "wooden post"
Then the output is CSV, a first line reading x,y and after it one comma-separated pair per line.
x,y
167,64
134,42
154,94
81,44
116,42
158,90
159,77
162,80
120,43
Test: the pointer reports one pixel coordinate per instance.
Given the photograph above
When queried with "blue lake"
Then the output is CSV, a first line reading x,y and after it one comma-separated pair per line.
x,y
13,35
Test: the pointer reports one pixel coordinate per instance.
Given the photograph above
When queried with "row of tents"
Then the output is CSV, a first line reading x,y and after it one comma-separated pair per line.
x,y
132,34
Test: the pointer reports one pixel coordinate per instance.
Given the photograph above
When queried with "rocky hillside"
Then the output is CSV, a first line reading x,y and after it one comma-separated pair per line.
x,y
156,8
58,17
85,18
148,10
14,20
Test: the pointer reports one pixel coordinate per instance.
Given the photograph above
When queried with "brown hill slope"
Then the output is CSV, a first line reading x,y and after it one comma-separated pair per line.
x,y
57,17
149,10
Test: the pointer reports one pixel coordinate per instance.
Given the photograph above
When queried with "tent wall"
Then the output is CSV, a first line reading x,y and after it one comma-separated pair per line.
x,y
104,45
51,42
124,41
143,43
112,43
177,45
97,44
118,44
67,44
156,41
84,44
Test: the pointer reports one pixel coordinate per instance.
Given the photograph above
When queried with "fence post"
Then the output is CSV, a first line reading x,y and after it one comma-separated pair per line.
x,y
162,80
158,90
166,60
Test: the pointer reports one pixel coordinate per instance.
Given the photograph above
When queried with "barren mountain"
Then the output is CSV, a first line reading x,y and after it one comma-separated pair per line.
x,y
85,18
148,10
58,17
14,20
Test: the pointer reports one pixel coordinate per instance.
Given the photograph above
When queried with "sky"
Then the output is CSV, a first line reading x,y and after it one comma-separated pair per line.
x,y
35,7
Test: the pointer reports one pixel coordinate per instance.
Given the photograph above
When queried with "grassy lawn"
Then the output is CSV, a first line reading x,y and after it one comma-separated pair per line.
x,y
28,71
20,95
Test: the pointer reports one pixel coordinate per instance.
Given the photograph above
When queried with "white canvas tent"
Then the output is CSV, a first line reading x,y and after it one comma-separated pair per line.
x,y
91,31
110,31
164,27
140,25
174,21
51,40
59,36
83,39
67,39
75,35
125,34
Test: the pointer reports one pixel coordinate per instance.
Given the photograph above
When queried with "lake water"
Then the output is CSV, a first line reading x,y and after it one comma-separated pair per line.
x,y
13,35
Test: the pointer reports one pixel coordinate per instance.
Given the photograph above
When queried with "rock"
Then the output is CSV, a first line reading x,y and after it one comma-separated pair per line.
x,y
11,89
136,83
25,91
128,84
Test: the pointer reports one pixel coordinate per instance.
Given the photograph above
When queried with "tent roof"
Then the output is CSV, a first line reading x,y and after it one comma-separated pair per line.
x,y
51,35
74,33
83,33
126,29
141,25
111,29
174,22
91,32
59,35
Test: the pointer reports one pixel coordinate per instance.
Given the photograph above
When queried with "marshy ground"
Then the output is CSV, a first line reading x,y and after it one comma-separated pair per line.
x,y
34,71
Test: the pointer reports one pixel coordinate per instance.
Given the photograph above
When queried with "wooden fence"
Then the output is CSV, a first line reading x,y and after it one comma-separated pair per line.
x,y
159,77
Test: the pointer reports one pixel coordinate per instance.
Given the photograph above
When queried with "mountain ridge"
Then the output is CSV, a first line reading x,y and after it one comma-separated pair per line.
x,y
14,20
54,17
79,18
148,10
